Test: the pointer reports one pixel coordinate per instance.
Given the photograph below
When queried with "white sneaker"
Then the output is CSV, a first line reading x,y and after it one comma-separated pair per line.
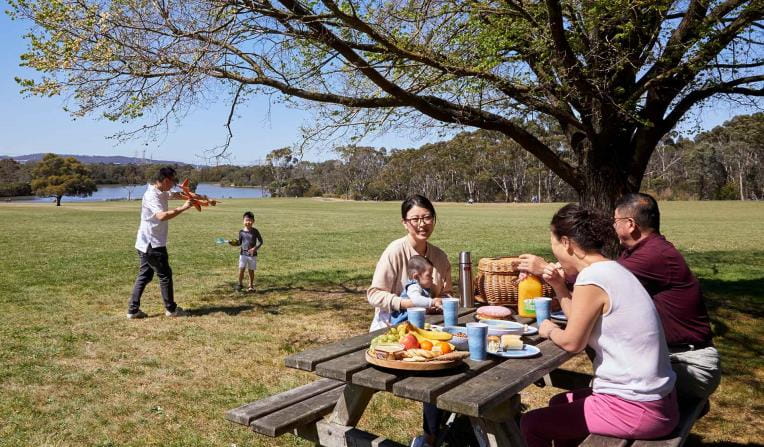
x,y
178,312
419,441
138,314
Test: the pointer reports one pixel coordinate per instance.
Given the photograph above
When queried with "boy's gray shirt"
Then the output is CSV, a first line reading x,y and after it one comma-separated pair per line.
x,y
248,240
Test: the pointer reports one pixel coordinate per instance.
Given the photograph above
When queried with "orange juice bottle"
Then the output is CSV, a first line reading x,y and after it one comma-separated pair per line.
x,y
528,289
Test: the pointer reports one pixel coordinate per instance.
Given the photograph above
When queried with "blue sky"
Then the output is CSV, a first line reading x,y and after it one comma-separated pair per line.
x,y
34,124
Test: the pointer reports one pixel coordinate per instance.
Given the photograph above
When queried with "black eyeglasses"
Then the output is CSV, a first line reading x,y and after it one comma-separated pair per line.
x,y
420,219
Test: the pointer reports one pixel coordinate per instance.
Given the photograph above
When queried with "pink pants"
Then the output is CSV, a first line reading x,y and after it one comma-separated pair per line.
x,y
571,417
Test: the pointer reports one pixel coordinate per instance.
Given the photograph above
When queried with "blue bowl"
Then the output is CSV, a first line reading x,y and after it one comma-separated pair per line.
x,y
460,343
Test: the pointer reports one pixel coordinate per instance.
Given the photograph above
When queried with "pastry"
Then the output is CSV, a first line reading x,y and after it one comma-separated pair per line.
x,y
511,342
493,313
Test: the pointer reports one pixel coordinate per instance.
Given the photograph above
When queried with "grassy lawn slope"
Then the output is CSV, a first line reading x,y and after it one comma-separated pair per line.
x,y
74,371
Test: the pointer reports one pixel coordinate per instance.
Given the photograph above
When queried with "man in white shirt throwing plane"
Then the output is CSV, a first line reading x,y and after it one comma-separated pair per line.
x,y
151,243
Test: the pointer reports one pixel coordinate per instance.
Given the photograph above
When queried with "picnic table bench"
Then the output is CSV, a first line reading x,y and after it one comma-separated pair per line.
x,y
327,411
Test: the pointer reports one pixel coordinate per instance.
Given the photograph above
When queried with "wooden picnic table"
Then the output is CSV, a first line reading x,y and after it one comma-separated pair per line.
x,y
485,391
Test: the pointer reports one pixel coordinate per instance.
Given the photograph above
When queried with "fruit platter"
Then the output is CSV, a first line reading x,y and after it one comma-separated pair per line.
x,y
410,348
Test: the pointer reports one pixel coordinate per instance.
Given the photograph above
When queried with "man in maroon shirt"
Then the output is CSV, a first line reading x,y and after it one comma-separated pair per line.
x,y
676,293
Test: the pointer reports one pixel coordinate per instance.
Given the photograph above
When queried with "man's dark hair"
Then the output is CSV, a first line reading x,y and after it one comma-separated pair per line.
x,y
249,214
417,200
417,264
642,208
163,173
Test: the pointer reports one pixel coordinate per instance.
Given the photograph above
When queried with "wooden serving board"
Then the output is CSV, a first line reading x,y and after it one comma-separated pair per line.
x,y
432,365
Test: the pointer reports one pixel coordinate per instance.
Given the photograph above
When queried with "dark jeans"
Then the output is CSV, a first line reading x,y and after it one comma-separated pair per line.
x,y
155,260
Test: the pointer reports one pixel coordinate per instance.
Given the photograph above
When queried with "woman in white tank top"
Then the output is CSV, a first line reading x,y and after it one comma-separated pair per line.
x,y
609,310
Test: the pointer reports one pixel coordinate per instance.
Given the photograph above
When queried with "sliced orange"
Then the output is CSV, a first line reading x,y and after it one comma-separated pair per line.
x,y
445,347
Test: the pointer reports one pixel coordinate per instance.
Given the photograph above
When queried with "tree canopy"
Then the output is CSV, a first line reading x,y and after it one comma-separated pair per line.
x,y
55,176
613,76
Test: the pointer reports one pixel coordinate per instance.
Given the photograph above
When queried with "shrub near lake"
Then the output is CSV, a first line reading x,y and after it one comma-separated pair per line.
x,y
76,372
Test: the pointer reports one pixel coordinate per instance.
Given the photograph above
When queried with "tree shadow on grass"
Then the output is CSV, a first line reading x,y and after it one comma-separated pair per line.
x,y
694,440
745,296
228,310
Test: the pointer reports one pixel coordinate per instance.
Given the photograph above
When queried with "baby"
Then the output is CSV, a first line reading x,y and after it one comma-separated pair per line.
x,y
417,288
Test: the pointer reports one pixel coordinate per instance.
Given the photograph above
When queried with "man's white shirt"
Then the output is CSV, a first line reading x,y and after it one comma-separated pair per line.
x,y
152,230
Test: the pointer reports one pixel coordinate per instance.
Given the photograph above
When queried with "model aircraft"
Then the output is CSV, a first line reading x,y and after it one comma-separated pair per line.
x,y
196,200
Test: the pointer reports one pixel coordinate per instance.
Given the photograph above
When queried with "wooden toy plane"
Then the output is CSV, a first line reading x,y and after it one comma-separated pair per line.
x,y
195,198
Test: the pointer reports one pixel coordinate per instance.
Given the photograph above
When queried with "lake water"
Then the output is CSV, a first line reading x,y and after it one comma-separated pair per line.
x,y
120,192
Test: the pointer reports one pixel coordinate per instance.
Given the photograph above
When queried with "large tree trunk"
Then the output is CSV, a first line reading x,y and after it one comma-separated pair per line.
x,y
603,181
58,200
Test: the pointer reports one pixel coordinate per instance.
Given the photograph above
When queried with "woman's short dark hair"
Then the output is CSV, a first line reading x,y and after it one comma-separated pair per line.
x,y
417,200
590,229
163,173
641,207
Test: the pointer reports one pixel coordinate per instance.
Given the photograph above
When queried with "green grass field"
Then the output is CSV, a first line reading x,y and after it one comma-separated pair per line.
x,y
74,371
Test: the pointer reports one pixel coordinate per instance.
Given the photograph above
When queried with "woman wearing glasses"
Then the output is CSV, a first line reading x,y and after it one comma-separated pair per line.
x,y
418,218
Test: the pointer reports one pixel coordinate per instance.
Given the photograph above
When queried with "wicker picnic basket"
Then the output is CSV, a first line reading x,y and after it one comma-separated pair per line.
x,y
497,280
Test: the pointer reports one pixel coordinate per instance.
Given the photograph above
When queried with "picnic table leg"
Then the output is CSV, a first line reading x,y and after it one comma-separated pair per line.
x,y
351,405
338,429
498,428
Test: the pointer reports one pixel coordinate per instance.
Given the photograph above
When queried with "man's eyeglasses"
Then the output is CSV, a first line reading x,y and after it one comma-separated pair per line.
x,y
616,219
421,219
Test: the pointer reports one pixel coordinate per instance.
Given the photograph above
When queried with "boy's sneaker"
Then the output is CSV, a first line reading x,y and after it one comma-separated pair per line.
x,y
137,314
178,312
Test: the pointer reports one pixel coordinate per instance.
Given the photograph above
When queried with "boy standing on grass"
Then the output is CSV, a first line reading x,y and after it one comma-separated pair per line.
x,y
250,241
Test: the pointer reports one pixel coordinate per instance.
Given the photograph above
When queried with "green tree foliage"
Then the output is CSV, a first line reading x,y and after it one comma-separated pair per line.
x,y
615,76
14,179
55,176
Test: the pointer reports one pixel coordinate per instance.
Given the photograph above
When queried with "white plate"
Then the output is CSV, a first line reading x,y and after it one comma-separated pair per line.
x,y
530,330
559,315
527,351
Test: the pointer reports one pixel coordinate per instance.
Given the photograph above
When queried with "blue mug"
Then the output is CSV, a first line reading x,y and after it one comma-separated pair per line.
x,y
416,316
477,335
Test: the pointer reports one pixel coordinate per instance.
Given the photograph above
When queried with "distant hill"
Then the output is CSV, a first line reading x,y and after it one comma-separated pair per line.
x,y
94,159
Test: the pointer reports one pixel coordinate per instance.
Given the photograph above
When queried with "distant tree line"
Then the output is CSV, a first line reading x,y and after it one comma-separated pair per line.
x,y
724,163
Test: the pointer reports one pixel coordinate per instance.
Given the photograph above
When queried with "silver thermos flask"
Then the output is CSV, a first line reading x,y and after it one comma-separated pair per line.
x,y
465,280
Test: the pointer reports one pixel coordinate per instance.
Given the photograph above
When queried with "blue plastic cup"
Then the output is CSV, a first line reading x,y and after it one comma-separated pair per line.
x,y
416,316
477,333
543,305
450,311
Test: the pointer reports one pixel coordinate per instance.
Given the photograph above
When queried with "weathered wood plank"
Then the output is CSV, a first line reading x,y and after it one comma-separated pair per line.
x,y
343,368
377,378
476,396
427,387
307,360
603,441
297,414
246,413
